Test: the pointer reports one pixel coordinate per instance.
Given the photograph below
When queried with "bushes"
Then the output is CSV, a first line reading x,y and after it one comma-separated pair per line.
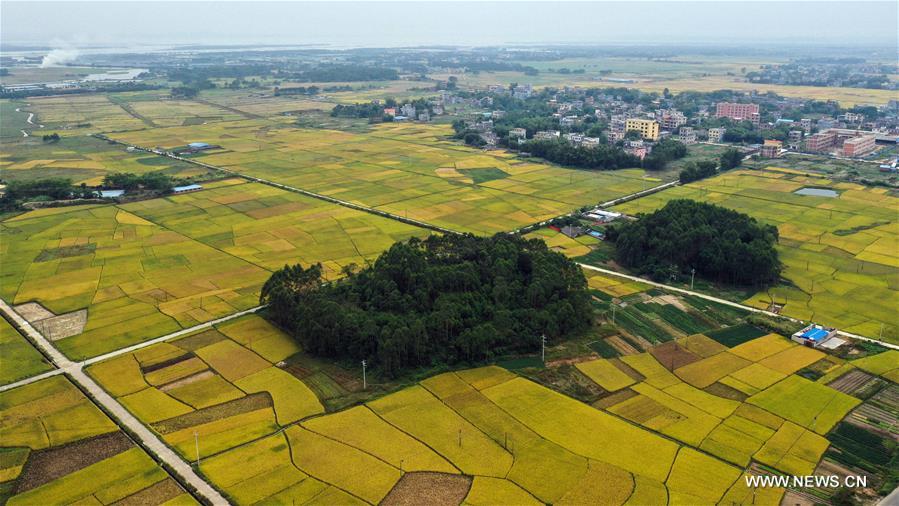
x,y
596,158
697,170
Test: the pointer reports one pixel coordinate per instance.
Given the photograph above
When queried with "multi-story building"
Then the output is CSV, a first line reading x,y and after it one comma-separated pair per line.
x,y
806,125
795,139
672,119
736,111
687,135
770,149
717,134
858,146
518,133
821,141
648,128
547,135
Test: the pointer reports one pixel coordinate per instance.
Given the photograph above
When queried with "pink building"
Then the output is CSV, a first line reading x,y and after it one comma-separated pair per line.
x,y
858,146
735,111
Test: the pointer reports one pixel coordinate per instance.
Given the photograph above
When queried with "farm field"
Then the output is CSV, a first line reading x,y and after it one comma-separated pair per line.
x,y
83,159
153,267
58,448
19,358
840,255
405,169
270,227
648,76
733,403
81,114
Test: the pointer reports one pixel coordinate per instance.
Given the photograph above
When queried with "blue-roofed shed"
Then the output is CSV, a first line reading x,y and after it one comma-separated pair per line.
x,y
199,145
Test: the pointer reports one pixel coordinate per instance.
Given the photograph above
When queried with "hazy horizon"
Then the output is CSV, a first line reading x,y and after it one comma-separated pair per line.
x,y
392,24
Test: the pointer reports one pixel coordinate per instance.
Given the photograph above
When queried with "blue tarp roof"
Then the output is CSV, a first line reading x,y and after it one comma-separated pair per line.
x,y
814,334
111,193
198,145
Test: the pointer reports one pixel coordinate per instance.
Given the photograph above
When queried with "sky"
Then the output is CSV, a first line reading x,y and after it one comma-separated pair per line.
x,y
78,24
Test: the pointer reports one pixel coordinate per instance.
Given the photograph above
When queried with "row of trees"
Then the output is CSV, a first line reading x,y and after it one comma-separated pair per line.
x,y
151,181
602,157
443,300
721,244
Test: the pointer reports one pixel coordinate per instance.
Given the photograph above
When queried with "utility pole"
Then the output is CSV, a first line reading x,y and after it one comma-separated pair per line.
x,y
692,275
197,444
543,348
613,312
364,383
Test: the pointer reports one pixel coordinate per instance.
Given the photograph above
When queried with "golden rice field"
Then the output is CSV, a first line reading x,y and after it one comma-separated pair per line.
x,y
58,448
153,267
406,169
264,435
840,255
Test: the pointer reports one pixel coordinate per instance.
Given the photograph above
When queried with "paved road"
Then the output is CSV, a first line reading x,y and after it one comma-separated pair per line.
x,y
727,303
121,415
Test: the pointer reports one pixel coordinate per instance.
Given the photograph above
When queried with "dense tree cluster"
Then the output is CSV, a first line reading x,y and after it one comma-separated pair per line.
x,y
721,244
18,192
731,158
152,181
663,152
601,157
346,73
357,111
443,300
694,171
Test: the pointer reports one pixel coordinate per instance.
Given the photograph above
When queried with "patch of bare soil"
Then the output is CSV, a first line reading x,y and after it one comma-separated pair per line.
x,y
187,381
433,489
722,390
616,398
62,326
197,341
33,312
246,404
44,466
157,493
672,355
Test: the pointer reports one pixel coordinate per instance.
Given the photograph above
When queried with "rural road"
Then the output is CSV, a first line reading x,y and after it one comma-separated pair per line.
x,y
121,415
727,302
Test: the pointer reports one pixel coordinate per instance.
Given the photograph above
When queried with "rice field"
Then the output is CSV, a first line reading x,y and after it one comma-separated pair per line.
x,y
840,255
15,349
269,227
83,159
152,267
409,170
58,448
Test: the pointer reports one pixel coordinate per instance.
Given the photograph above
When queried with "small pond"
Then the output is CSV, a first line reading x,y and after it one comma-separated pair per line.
x,y
817,192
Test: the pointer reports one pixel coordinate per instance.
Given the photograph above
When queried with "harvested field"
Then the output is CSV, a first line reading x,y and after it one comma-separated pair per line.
x,y
438,489
44,466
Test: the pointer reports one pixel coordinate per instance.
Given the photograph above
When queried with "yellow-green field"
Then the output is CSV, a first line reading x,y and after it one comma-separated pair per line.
x,y
18,358
406,169
840,255
83,159
194,258
270,227
58,448
264,438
